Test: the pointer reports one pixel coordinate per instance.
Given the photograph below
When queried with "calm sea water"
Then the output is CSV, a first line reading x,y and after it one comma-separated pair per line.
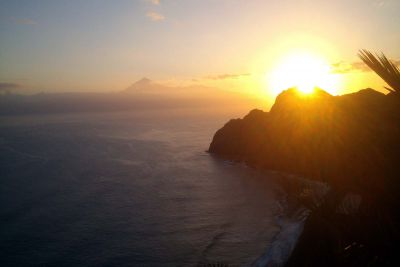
x,y
127,189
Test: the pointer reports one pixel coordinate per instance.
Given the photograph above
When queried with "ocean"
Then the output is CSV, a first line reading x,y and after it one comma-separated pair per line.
x,y
129,189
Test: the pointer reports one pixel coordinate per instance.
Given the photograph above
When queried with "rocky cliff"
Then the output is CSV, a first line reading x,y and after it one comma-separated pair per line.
x,y
340,139
351,142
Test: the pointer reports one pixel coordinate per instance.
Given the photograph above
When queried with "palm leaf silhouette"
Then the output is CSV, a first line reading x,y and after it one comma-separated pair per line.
x,y
382,66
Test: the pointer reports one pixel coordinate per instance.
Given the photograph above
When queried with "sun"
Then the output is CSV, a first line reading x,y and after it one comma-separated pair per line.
x,y
305,72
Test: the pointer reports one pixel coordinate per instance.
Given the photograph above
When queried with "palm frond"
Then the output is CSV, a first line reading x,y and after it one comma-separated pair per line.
x,y
382,66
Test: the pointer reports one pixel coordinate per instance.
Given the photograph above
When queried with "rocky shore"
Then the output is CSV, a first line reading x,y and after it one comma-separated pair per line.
x,y
351,143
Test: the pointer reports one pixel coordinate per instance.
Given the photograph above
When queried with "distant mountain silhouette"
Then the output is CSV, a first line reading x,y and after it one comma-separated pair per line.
x,y
147,86
144,94
143,81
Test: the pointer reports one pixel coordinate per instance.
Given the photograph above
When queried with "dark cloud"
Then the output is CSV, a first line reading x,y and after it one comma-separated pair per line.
x,y
357,66
227,76
8,86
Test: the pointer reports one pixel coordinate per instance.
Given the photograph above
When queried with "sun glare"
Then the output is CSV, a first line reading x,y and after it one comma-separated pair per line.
x,y
303,71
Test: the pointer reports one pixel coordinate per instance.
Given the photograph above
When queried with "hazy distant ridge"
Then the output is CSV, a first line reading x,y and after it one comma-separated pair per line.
x,y
143,94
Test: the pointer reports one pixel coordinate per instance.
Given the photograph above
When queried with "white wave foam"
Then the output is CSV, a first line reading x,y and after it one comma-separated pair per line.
x,y
285,241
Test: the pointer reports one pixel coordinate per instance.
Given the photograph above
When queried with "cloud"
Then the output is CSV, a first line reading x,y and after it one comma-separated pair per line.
x,y
154,16
8,86
25,21
357,66
343,67
379,3
154,2
226,76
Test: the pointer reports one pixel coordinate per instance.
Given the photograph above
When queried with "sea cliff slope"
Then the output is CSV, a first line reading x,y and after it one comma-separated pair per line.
x,y
351,142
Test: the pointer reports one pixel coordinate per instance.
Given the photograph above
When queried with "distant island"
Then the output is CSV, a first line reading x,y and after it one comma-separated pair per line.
x,y
143,94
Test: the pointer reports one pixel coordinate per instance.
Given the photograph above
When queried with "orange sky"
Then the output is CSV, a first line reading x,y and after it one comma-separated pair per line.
x,y
56,46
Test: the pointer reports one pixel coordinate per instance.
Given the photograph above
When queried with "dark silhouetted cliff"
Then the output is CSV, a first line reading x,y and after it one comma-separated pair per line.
x,y
347,140
352,142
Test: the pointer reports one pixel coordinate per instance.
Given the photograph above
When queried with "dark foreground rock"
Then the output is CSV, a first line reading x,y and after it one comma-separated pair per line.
x,y
351,142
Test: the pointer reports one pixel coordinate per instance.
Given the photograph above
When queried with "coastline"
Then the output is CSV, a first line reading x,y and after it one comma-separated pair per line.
x,y
285,241
298,194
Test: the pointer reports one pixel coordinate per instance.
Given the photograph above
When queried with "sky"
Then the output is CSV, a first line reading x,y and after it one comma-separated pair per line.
x,y
101,45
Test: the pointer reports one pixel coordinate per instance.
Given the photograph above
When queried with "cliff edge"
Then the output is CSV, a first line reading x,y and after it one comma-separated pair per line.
x,y
352,143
